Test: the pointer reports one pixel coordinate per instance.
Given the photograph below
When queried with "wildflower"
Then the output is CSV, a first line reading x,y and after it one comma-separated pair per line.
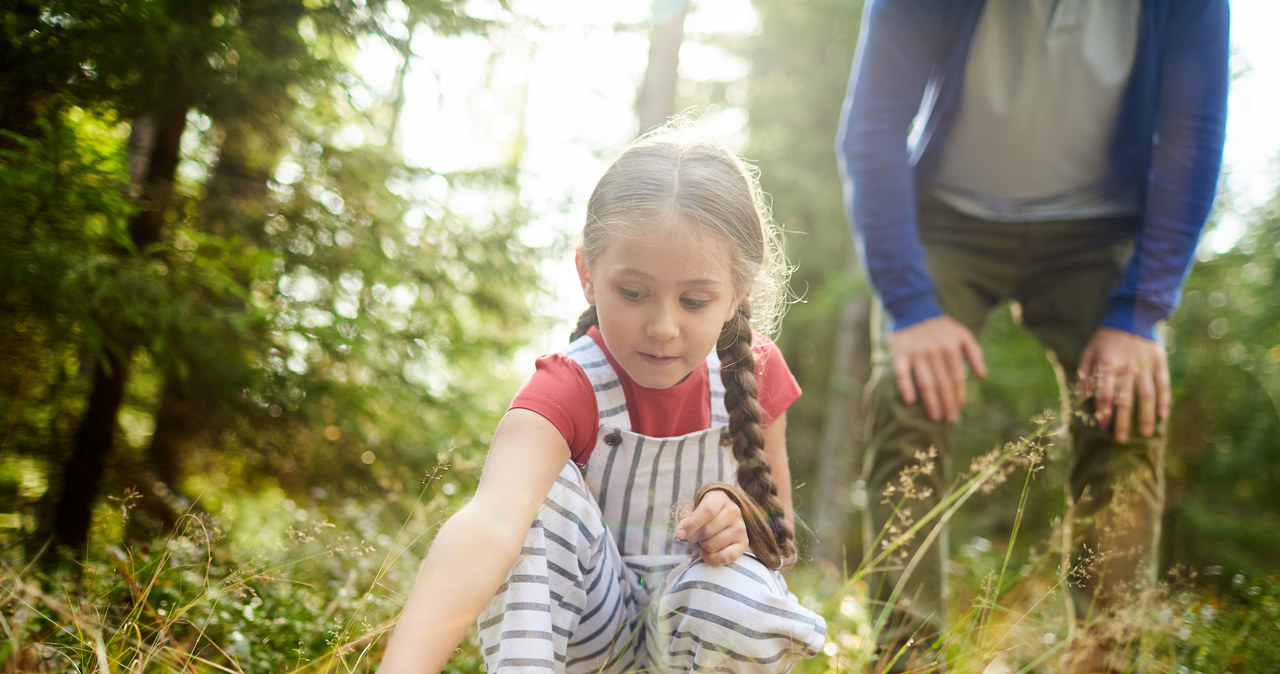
x,y
990,470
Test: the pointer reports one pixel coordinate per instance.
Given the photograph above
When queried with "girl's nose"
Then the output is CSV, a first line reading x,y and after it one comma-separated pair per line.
x,y
662,323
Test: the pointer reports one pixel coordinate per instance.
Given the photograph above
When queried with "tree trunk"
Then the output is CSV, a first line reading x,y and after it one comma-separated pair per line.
x,y
82,478
95,435
405,50
173,417
837,448
161,170
142,140
657,98
235,205
20,96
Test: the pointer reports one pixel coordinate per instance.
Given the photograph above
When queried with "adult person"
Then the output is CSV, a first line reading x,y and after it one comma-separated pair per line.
x,y
1062,155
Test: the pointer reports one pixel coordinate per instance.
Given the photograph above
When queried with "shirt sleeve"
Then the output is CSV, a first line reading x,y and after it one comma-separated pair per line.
x,y
895,55
777,387
560,392
1185,160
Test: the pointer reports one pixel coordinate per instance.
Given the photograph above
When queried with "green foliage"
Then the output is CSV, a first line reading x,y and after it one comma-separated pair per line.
x,y
315,597
272,585
316,341
800,64
1224,501
1221,628
1008,609
313,316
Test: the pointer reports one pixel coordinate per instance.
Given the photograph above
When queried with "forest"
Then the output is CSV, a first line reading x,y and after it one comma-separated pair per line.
x,y
259,319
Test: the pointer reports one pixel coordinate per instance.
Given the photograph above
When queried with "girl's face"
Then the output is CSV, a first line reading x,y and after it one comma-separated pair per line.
x,y
662,300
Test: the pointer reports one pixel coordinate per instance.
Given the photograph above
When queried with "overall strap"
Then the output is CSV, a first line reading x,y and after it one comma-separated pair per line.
x,y
719,415
611,402
610,399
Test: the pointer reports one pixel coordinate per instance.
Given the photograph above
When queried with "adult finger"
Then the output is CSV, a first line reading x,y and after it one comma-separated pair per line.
x,y
973,355
1164,392
950,372
902,373
1146,390
953,360
1104,377
928,386
956,360
1123,406
1085,384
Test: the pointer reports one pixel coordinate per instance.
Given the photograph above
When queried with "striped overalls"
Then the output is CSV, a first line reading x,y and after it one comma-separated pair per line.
x,y
603,585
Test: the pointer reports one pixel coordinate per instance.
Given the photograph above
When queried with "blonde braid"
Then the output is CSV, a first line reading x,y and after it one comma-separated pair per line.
x,y
777,547
585,321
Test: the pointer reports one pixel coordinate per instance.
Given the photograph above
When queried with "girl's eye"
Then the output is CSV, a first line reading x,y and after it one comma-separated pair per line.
x,y
691,303
629,294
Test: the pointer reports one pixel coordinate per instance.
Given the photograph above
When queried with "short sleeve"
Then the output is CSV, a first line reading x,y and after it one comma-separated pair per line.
x,y
778,388
560,392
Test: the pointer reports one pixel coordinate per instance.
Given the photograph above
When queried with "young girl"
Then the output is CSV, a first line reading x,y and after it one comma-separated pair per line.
x,y
610,471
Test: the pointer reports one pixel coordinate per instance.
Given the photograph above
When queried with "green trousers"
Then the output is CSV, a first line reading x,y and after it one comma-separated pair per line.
x,y
1059,273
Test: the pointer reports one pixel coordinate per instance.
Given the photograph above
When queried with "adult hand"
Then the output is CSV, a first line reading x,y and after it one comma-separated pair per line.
x,y
716,525
1115,366
929,357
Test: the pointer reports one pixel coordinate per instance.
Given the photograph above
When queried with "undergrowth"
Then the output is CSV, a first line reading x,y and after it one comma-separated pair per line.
x,y
322,594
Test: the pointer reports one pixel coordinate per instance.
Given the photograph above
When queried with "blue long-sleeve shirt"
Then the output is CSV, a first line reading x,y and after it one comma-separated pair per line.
x,y
911,61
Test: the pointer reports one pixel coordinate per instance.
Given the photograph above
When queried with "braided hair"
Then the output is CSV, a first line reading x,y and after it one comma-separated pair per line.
x,y
746,435
672,176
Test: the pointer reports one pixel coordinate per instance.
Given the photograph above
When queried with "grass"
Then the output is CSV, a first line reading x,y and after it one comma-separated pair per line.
x,y
321,594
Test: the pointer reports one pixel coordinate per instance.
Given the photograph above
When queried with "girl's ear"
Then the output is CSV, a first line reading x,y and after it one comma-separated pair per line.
x,y
733,310
584,277
744,296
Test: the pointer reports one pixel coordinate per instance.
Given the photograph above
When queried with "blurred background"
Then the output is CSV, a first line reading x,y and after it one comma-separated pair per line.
x,y
271,270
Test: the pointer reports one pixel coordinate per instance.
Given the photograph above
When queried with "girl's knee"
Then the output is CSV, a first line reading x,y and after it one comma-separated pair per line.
x,y
740,615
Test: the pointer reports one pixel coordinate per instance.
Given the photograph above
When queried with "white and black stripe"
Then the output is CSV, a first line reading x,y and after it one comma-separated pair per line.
x,y
738,617
602,584
567,603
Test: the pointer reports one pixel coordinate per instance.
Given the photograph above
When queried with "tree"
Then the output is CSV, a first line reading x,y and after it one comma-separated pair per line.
x,y
267,302
657,98
800,64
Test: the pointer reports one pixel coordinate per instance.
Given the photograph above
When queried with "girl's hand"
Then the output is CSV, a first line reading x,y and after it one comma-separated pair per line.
x,y
716,525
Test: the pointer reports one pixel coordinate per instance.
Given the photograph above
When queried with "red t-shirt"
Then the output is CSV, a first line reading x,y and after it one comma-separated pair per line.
x,y
560,391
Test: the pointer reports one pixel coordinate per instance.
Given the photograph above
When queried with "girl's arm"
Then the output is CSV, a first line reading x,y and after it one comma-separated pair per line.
x,y
476,548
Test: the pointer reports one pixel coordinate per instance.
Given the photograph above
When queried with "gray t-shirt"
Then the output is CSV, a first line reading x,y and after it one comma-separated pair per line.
x,y
1042,90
